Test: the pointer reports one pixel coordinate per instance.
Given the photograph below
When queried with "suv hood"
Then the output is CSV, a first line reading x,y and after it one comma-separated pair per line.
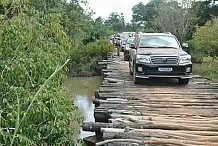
x,y
161,51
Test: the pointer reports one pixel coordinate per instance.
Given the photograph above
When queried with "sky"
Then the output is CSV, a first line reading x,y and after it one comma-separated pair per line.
x,y
104,8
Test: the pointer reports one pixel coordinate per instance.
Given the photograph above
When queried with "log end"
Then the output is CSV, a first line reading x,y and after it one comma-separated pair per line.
x,y
91,140
96,94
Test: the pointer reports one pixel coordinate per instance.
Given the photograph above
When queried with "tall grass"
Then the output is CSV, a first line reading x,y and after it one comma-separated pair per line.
x,y
208,68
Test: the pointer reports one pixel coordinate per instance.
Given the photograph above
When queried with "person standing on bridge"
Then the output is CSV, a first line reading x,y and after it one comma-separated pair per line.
x,y
118,45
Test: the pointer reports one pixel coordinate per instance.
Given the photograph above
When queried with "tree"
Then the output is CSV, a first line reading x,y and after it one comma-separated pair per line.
x,y
206,38
176,18
96,30
205,10
145,13
131,27
115,21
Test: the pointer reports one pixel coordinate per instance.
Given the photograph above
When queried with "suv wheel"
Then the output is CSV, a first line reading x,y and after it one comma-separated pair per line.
x,y
135,79
125,56
183,81
130,71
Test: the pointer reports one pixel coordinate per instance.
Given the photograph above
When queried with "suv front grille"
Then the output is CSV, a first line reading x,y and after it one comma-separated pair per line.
x,y
165,60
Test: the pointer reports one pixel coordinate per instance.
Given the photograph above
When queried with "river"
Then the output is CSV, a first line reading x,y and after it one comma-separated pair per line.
x,y
82,89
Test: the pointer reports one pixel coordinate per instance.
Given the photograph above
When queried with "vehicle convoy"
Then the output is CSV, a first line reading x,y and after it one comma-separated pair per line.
x,y
127,48
159,55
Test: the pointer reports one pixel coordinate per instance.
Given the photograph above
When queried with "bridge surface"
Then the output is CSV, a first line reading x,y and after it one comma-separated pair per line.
x,y
156,112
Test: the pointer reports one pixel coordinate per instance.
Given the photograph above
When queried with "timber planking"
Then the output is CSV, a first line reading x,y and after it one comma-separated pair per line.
x,y
156,112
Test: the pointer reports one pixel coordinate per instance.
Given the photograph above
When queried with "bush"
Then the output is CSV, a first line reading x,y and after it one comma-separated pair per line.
x,y
205,39
33,108
197,55
85,59
211,67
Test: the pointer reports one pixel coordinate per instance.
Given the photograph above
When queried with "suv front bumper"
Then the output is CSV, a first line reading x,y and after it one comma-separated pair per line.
x,y
149,71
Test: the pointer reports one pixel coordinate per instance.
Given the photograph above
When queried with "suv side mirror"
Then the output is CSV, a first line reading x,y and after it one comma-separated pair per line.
x,y
132,46
184,45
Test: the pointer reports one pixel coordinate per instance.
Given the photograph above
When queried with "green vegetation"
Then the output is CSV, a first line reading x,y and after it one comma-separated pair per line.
x,y
205,42
34,110
205,39
207,69
84,60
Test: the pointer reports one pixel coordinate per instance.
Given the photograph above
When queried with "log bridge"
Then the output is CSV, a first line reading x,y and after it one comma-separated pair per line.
x,y
156,112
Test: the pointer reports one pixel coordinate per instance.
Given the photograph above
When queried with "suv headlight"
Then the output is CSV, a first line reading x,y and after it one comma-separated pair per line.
x,y
185,59
143,59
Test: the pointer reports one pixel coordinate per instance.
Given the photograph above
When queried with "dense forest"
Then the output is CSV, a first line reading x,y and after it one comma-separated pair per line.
x,y
43,41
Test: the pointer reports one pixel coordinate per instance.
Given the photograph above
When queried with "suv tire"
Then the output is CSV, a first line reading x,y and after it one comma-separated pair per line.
x,y
135,79
125,58
183,81
130,71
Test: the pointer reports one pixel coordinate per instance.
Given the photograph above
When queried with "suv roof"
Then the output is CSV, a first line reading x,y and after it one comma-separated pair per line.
x,y
167,34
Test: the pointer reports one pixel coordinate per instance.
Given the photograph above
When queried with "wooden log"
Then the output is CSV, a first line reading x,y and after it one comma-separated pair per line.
x,y
96,94
164,112
101,115
185,120
139,142
149,93
128,132
96,102
130,86
160,107
111,80
158,141
165,125
92,140
189,138
162,102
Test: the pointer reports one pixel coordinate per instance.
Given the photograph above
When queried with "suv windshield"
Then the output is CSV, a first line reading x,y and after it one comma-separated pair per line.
x,y
158,41
124,35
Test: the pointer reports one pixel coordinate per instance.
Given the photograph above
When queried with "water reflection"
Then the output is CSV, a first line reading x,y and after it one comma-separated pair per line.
x,y
82,89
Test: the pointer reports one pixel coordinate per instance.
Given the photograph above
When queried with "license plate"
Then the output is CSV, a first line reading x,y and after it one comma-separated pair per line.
x,y
164,69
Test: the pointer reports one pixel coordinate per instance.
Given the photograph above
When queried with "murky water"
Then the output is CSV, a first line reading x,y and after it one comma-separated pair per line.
x,y
82,89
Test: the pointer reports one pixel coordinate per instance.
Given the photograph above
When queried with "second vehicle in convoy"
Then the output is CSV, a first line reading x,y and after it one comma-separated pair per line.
x,y
159,55
127,48
124,37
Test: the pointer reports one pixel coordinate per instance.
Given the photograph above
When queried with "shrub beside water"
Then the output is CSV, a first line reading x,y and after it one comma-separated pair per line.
x,y
84,59
33,108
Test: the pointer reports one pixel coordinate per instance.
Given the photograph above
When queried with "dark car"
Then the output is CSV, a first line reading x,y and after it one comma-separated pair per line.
x,y
124,37
127,48
159,55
